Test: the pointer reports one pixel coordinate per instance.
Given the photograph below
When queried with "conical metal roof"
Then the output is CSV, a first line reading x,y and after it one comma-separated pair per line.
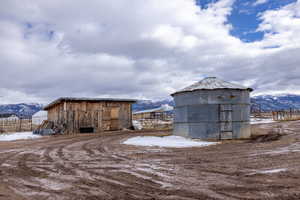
x,y
212,83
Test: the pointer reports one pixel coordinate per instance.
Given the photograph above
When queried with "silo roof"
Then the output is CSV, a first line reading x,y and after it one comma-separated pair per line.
x,y
212,83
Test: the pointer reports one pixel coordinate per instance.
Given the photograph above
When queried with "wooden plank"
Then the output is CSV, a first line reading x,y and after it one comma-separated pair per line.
x,y
101,116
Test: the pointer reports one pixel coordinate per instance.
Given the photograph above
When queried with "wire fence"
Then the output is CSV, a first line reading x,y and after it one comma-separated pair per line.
x,y
278,115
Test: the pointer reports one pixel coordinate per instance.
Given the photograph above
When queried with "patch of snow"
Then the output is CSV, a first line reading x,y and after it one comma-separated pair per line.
x,y
269,171
53,185
162,122
152,171
260,121
6,165
167,141
288,149
137,125
149,178
18,136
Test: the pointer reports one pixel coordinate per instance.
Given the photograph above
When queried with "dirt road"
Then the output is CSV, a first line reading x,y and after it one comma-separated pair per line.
x,y
99,167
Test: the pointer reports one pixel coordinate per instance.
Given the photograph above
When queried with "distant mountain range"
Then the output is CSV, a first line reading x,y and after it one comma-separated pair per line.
x,y
263,103
279,102
22,110
149,104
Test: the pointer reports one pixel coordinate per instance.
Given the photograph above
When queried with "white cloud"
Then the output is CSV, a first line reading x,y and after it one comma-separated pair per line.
x,y
282,26
138,49
259,2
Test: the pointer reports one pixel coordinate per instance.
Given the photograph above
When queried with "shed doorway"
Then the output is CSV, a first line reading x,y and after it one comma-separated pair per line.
x,y
86,130
114,114
111,118
225,120
87,121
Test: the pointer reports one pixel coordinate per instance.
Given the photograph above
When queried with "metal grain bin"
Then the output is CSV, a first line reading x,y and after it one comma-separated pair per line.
x,y
212,109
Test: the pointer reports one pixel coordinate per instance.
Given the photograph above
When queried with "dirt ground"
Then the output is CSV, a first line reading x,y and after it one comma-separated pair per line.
x,y
91,167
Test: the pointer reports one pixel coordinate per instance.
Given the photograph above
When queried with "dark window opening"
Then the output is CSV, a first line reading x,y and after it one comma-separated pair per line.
x,y
86,130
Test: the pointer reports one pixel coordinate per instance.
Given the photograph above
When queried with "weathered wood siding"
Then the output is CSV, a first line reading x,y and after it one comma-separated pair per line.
x,y
142,116
102,116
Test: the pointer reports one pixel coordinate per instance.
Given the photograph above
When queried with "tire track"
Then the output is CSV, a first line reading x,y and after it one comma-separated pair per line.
x,y
100,167
9,157
102,174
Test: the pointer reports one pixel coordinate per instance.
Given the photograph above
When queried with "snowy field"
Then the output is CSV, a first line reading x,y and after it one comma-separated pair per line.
x,y
260,121
167,141
18,136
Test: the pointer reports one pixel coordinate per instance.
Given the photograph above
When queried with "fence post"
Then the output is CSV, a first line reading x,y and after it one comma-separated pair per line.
x,y
20,126
31,129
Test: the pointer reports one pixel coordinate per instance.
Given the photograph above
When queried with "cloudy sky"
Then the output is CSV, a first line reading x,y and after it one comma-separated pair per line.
x,y
145,49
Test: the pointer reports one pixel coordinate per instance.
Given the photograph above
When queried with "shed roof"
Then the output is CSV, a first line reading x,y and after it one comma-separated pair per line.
x,y
212,83
68,99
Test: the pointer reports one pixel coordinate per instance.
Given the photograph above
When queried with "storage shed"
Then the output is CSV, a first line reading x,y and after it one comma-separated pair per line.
x,y
212,109
88,115
161,113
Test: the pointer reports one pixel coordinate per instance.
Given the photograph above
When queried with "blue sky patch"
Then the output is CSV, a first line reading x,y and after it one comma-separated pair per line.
x,y
244,17
204,3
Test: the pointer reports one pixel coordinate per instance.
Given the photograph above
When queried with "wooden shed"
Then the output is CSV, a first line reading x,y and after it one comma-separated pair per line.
x,y
89,115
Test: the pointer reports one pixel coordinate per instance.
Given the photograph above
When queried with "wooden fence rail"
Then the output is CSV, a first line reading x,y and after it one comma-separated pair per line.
x,y
16,125
286,115
155,124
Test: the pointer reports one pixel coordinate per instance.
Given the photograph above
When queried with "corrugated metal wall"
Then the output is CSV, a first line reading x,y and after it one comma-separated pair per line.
x,y
212,114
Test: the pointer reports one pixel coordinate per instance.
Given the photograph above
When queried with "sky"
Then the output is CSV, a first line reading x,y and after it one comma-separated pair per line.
x,y
145,49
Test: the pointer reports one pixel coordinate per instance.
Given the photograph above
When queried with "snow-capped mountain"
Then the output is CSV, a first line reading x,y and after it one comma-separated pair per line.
x,y
263,103
149,104
276,102
22,109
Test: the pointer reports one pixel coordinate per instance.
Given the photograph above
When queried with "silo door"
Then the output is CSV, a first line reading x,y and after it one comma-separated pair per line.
x,y
225,121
